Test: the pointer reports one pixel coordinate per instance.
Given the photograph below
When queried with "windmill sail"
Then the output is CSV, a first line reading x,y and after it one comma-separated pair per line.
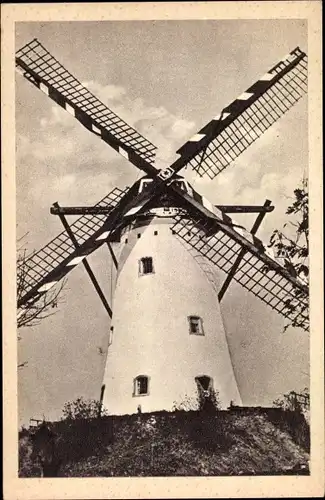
x,y
46,268
47,74
38,266
258,270
229,134
204,227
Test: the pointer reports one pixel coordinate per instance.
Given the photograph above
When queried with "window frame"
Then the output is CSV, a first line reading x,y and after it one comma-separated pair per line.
x,y
135,380
209,390
141,266
200,323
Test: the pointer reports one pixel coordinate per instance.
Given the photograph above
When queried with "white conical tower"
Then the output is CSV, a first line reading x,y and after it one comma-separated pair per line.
x,y
167,336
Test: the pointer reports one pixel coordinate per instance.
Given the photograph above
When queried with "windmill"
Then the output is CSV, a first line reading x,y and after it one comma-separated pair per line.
x,y
167,338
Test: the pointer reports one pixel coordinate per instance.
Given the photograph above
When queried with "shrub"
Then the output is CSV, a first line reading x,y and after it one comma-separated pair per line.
x,y
208,403
83,409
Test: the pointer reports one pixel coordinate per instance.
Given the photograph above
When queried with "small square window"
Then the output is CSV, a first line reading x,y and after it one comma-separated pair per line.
x,y
155,233
141,386
196,325
146,265
139,235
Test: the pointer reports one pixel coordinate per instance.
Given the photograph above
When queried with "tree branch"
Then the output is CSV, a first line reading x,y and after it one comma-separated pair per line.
x,y
35,311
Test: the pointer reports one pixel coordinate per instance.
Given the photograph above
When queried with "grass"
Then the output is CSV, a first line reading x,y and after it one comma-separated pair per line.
x,y
178,444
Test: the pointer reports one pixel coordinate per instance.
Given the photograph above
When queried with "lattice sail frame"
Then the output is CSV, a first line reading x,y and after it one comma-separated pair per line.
x,y
230,133
38,265
288,78
46,73
258,272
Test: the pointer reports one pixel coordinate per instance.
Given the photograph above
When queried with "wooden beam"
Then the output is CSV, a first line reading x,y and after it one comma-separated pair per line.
x,y
97,210
85,263
242,252
243,209
112,254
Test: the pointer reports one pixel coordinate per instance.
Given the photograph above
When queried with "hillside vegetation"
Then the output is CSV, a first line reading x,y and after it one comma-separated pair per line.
x,y
181,443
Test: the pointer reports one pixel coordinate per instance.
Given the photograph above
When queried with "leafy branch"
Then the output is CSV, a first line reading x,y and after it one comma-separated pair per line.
x,y
294,249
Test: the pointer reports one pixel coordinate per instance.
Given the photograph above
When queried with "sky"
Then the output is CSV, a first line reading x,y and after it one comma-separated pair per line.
x,y
167,79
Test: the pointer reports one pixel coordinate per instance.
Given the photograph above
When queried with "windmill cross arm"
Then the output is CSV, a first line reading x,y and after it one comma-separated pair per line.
x,y
230,133
39,67
47,74
210,219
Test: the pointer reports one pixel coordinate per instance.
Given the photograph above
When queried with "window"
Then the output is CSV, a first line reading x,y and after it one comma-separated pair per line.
x,y
204,382
196,325
141,386
155,233
205,389
146,265
139,235
110,335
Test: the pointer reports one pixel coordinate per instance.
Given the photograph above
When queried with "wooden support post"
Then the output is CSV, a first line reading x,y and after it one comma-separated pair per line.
x,y
112,254
242,252
85,262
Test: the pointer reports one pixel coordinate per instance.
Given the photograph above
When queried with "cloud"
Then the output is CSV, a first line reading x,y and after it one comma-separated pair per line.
x,y
181,128
105,92
63,136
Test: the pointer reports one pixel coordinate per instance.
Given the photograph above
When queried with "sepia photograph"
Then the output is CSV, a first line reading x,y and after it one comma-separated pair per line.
x,y
162,248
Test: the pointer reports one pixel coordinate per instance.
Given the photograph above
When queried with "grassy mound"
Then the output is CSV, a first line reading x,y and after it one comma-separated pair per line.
x,y
179,444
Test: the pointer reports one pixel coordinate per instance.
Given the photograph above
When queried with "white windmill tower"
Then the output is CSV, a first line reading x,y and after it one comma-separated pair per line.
x,y
167,338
